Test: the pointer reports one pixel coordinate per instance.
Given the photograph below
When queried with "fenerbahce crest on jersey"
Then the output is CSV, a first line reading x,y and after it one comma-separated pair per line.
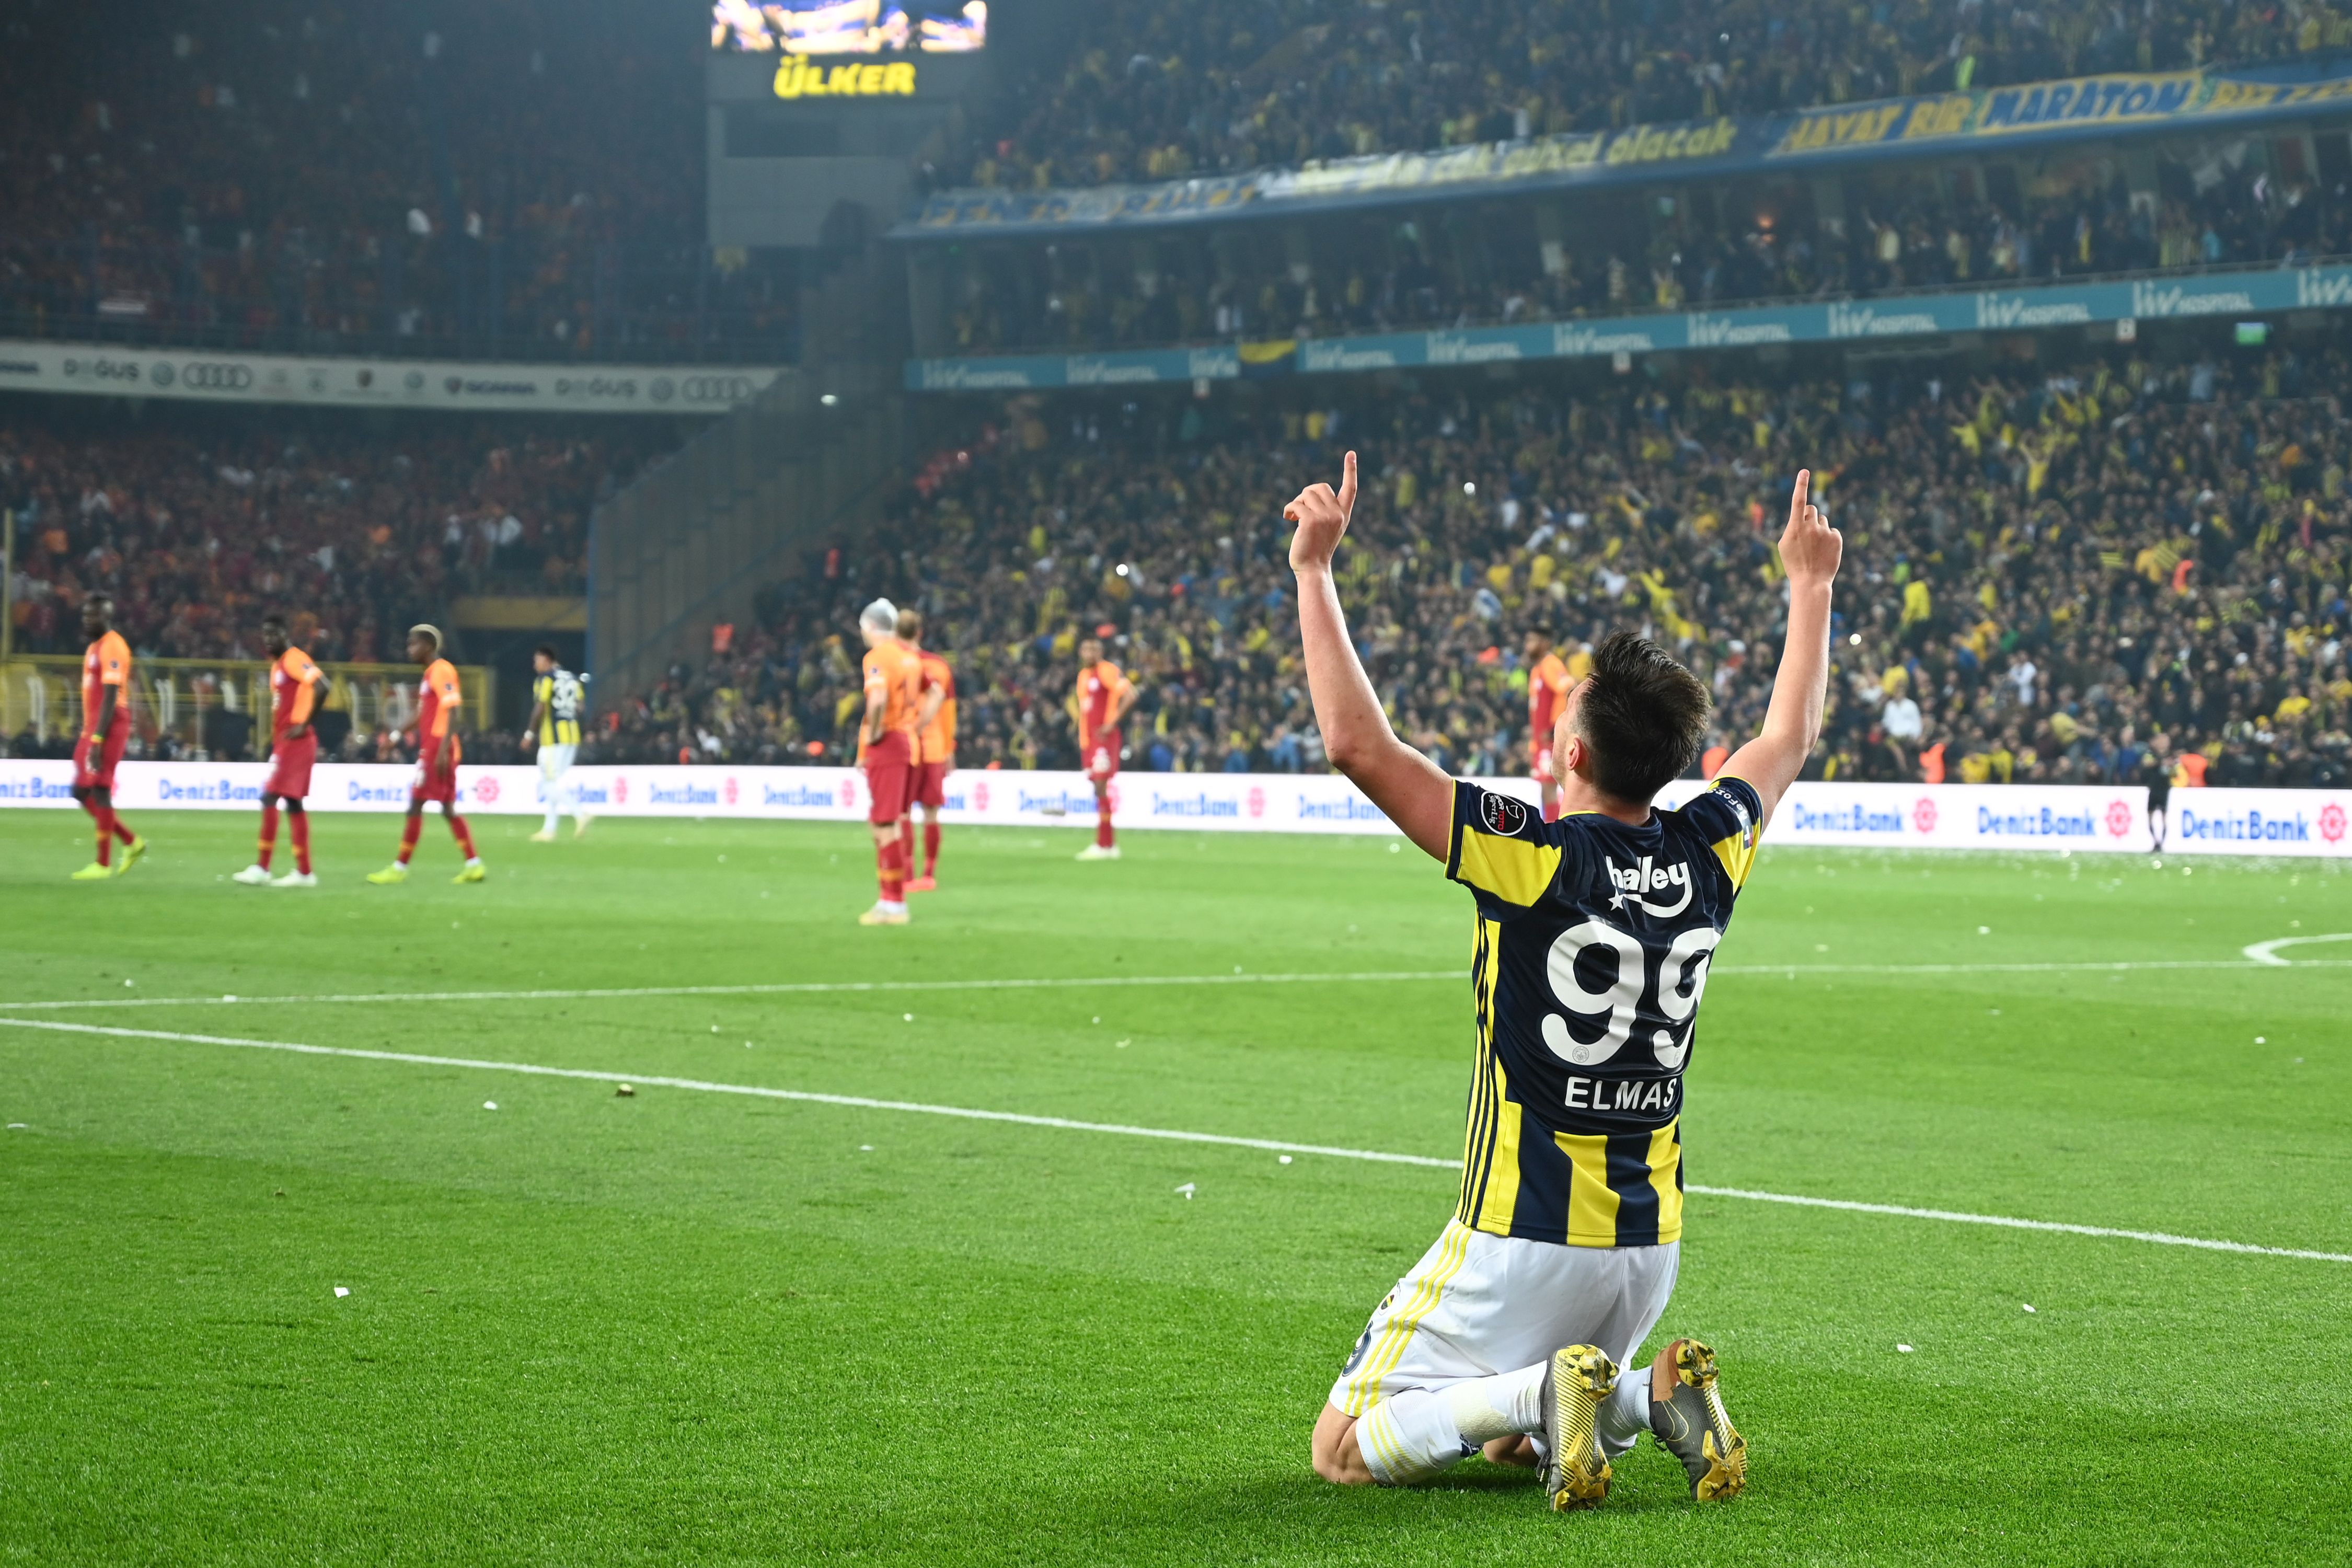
x,y
1591,954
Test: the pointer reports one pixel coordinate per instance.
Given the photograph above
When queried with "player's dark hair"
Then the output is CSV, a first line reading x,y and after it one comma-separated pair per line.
x,y
545,650
274,618
1644,714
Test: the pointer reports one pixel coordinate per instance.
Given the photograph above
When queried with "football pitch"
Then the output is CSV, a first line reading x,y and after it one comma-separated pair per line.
x,y
264,1304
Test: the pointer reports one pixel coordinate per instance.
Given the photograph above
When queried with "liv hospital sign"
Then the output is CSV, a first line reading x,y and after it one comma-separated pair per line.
x,y
2018,817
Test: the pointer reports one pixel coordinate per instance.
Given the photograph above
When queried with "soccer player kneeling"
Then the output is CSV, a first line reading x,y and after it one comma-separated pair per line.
x,y
1593,937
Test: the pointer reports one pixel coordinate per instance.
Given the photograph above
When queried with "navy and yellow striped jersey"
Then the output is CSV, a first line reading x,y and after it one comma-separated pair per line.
x,y
1591,952
560,695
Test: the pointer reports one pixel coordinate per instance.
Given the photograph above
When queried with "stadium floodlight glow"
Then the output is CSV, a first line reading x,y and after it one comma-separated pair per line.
x,y
1468,488
830,400
1855,639
1122,569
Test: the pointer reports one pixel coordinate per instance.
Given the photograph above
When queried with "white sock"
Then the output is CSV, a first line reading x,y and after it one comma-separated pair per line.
x,y
1409,1437
1624,1416
550,819
1507,1404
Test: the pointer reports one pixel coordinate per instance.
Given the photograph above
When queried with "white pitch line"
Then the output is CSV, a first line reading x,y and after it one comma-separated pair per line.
x,y
2267,952
820,987
1069,1124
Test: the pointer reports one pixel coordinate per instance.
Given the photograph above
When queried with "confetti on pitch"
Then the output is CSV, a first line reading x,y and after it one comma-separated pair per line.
x,y
625,1091
340,1292
489,1105
1286,1159
1187,1190
2027,1305
1903,1349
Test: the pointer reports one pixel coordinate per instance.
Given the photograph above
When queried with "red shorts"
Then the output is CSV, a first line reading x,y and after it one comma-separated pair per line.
x,y
429,785
889,778
289,766
1539,758
1101,759
930,786
105,753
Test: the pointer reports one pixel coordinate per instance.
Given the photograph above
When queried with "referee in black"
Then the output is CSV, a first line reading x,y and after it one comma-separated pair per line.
x,y
2155,772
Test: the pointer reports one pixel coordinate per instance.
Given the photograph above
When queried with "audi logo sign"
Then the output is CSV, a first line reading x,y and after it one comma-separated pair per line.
x,y
713,389
358,383
208,375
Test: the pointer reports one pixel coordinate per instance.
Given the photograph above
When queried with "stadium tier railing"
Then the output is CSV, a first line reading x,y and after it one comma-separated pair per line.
x,y
210,707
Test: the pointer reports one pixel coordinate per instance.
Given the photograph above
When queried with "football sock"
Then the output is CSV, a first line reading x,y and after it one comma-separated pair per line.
x,y
892,869
105,817
1409,1436
1625,1413
416,825
458,830
268,841
552,813
1102,826
1507,1404
120,831
298,828
930,847
907,844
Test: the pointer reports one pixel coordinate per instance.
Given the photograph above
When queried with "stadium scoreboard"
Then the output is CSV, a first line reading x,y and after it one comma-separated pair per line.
x,y
819,111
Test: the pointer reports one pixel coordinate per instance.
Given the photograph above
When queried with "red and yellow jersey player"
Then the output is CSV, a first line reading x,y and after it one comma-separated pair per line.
x,y
438,753
105,731
1100,701
935,722
296,685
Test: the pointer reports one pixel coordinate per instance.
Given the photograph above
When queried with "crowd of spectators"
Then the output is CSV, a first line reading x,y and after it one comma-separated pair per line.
x,y
2046,571
510,175
1464,266
197,523
1156,92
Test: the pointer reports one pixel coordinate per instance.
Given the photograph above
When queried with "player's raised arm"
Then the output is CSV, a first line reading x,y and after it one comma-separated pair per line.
x,y
1406,785
1810,552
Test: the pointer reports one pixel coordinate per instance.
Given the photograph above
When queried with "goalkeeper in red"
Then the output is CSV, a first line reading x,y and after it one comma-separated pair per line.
x,y
1593,936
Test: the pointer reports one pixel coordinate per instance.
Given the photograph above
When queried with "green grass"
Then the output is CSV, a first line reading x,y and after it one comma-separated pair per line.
x,y
691,1326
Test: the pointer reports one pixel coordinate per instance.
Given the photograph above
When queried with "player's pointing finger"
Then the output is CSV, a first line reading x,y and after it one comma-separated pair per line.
x,y
1348,485
1799,496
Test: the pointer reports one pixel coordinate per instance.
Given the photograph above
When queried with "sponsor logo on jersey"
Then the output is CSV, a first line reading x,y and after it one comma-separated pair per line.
x,y
1502,813
1635,883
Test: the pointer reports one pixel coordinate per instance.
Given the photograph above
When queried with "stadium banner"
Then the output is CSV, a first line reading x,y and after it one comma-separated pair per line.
x,y
2004,119
2036,817
2025,308
223,376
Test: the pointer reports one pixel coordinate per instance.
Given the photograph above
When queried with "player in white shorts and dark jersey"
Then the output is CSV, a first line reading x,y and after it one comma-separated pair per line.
x,y
558,696
1593,937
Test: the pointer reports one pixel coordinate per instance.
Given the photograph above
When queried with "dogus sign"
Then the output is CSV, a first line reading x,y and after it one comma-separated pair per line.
x,y
1894,817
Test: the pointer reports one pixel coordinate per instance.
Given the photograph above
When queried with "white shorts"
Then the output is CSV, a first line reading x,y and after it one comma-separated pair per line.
x,y
554,762
1477,1304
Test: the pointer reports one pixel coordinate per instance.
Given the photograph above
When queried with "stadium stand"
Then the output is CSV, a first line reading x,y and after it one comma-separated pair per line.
x,y
1408,268
1152,92
198,522
2054,566
500,180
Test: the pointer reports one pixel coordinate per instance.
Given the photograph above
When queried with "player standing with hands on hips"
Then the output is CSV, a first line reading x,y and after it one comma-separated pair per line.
x,y
1593,937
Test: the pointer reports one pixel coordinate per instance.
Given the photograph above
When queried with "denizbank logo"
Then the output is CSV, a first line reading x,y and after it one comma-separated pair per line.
x,y
1058,803
360,794
1351,808
19,788
801,795
2042,824
1202,805
1726,331
1460,348
1855,818
1869,321
682,795
2181,300
2245,827
205,792
2003,311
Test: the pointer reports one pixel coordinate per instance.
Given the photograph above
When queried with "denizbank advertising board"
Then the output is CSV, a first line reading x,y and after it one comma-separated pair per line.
x,y
2031,308
2036,819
